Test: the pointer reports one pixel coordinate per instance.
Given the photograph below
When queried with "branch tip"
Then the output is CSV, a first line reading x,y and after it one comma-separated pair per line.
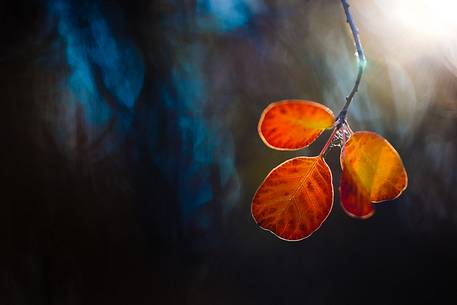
x,y
361,60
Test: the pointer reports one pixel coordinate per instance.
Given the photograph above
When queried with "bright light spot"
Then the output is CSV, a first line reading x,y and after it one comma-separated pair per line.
x,y
406,30
435,19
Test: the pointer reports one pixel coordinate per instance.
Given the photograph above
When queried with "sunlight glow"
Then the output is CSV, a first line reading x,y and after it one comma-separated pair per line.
x,y
435,19
409,30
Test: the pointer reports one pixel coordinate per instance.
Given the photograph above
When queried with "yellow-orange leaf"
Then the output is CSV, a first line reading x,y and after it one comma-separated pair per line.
x,y
372,172
293,124
295,198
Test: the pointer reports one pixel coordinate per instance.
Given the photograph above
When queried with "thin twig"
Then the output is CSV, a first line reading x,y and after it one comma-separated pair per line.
x,y
329,142
361,63
341,118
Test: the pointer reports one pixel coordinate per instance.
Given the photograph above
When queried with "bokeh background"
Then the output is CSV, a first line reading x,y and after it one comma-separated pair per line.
x,y
130,152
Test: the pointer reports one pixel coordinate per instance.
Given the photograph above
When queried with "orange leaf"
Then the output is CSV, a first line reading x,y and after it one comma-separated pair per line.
x,y
372,172
293,124
295,198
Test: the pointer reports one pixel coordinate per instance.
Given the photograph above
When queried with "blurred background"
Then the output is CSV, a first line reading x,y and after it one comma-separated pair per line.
x,y
130,151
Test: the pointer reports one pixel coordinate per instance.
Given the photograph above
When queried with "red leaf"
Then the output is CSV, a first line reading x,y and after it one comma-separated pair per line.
x,y
372,172
293,124
295,198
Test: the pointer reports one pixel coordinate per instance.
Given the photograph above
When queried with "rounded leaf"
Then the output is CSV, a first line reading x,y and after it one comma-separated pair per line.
x,y
295,198
372,172
293,124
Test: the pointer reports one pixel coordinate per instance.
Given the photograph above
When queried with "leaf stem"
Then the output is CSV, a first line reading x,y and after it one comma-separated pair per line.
x,y
329,142
361,64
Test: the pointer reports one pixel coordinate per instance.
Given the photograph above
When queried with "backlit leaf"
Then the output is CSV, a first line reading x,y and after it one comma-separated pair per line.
x,y
295,198
372,172
293,124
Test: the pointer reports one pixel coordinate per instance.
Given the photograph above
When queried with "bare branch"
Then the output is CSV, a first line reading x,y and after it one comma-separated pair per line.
x,y
361,63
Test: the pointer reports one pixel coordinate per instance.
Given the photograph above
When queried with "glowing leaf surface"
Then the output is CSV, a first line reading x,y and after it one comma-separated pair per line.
x,y
295,198
372,172
293,124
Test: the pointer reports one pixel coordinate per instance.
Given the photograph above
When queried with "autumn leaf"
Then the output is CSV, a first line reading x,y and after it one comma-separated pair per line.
x,y
293,124
295,198
372,172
